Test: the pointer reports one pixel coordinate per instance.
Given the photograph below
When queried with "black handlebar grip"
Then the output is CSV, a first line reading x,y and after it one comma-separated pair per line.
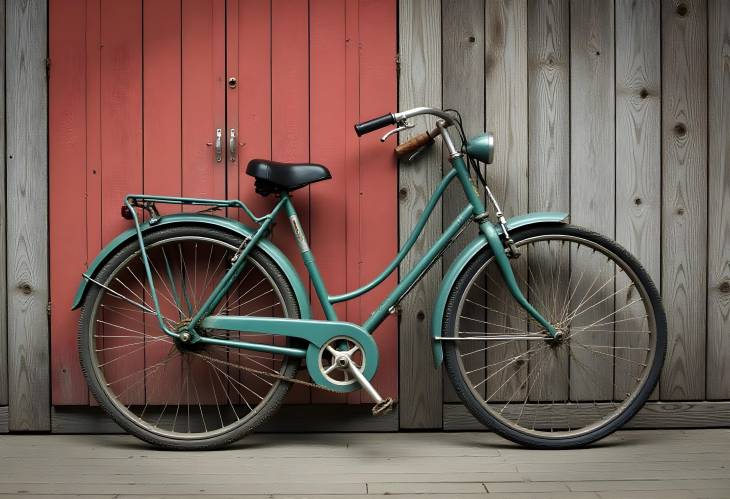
x,y
374,124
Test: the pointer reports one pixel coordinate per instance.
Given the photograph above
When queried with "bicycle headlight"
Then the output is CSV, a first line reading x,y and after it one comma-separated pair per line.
x,y
481,147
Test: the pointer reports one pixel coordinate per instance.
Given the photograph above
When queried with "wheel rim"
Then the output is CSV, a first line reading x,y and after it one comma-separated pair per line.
x,y
159,384
557,389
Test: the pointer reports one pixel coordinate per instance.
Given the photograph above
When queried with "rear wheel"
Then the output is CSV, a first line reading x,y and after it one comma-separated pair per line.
x,y
562,393
165,392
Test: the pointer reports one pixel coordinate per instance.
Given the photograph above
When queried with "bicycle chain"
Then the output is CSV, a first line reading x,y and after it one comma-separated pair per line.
x,y
269,374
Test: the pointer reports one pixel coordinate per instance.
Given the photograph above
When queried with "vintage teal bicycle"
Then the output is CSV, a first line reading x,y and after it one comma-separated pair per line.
x,y
193,326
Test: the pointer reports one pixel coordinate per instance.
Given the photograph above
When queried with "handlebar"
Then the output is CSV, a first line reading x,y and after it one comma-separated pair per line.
x,y
444,121
393,118
374,124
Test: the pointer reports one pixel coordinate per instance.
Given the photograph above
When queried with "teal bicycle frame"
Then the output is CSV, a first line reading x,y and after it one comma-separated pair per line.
x,y
319,332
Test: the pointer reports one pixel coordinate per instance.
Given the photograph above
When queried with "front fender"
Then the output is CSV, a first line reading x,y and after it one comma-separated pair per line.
x,y
473,249
227,224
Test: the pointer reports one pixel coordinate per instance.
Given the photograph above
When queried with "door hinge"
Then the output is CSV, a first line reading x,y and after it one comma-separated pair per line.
x,y
48,308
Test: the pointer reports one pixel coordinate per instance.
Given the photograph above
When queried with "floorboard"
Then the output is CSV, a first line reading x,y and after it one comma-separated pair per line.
x,y
639,463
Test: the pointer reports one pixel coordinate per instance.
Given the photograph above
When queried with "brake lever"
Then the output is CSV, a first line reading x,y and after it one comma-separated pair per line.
x,y
404,125
418,152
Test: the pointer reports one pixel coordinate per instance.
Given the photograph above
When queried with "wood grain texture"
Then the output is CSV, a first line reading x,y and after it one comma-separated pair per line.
x,y
463,78
684,199
505,84
718,238
162,59
290,418
67,189
378,176
327,95
638,156
592,170
353,205
549,111
653,415
3,225
629,465
3,419
121,152
290,122
92,103
420,85
548,118
27,205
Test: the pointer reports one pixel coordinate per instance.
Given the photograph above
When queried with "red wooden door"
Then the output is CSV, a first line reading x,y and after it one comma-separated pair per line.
x,y
137,91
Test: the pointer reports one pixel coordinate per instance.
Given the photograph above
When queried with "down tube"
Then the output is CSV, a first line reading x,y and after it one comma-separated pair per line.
x,y
383,309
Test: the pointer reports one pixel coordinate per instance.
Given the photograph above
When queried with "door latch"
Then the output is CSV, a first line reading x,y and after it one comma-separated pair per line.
x,y
218,145
232,146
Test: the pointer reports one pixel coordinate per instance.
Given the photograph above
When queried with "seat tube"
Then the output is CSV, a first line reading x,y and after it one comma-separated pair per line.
x,y
308,259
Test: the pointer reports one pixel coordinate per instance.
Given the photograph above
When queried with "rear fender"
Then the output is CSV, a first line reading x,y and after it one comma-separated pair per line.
x,y
301,292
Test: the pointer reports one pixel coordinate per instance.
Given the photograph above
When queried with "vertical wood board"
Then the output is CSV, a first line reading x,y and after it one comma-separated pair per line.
x,y
327,95
548,75
718,240
419,85
463,78
592,181
27,223
505,84
3,225
378,177
67,189
638,160
684,196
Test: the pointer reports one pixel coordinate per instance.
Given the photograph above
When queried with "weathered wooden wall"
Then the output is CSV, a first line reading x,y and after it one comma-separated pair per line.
x,y
616,111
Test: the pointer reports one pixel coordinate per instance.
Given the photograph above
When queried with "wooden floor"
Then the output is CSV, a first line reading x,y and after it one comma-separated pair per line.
x,y
662,464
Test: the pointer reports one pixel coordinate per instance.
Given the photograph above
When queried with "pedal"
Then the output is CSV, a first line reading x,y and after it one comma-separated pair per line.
x,y
383,407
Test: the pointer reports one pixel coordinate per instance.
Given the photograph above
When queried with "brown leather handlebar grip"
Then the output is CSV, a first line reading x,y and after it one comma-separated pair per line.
x,y
414,144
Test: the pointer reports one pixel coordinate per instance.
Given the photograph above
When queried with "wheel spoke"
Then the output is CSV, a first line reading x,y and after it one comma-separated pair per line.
x,y
185,391
555,388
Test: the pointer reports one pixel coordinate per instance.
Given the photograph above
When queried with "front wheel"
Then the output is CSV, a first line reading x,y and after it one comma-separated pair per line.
x,y
175,395
565,393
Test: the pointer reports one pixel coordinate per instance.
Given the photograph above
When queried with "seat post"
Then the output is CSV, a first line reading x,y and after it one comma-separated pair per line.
x,y
308,258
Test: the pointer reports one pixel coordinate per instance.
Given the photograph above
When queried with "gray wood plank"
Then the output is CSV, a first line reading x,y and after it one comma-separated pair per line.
x,y
463,81
718,239
505,83
592,186
652,415
27,230
549,154
638,166
549,112
3,419
684,196
419,85
288,419
3,225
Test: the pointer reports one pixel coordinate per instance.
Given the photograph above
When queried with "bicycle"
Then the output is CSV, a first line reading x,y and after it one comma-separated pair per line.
x,y
552,335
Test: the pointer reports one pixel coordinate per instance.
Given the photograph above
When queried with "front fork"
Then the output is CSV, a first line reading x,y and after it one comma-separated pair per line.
x,y
490,233
500,255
